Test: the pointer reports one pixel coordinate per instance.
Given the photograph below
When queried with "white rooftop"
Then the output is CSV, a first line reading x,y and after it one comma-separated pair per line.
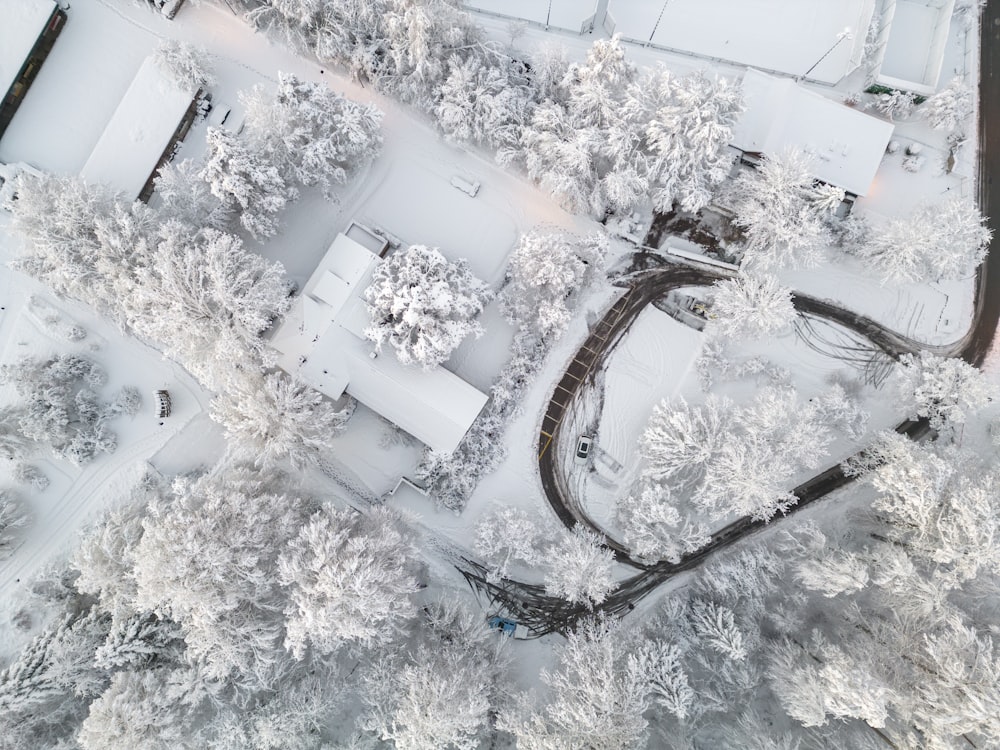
x,y
139,131
21,23
322,341
847,146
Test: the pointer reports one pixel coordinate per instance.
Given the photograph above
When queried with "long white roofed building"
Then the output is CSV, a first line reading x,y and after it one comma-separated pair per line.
x,y
28,30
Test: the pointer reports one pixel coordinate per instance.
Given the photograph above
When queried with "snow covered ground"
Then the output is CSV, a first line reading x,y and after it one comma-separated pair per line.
x,y
407,192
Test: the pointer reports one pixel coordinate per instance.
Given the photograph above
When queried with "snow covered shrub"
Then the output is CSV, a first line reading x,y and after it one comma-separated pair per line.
x,y
940,241
31,475
913,162
272,417
13,517
60,410
186,64
750,306
950,107
423,305
312,135
896,105
545,275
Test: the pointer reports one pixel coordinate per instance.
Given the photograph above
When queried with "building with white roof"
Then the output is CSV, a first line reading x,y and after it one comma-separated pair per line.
x,y
28,30
154,114
322,342
847,146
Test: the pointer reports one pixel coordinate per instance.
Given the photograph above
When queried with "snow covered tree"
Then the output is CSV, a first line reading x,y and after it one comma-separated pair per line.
x,y
751,306
206,559
149,709
184,196
688,123
544,275
782,211
602,685
579,567
186,64
937,242
349,576
485,100
294,718
507,536
423,305
715,625
680,440
45,690
245,180
312,135
824,682
442,690
273,417
950,107
573,144
653,528
945,391
207,299
13,517
833,573
139,641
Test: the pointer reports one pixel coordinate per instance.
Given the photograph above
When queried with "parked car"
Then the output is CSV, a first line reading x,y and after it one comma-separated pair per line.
x,y
583,445
508,627
467,187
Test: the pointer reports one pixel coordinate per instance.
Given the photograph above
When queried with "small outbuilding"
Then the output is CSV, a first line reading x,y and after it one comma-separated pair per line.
x,y
28,31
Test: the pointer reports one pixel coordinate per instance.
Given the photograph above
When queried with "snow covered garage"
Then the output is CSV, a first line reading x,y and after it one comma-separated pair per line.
x,y
153,116
847,146
28,30
322,342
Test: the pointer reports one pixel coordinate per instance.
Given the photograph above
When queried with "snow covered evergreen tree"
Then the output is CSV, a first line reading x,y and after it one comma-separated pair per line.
x,y
940,241
544,275
312,135
246,181
423,305
688,123
950,107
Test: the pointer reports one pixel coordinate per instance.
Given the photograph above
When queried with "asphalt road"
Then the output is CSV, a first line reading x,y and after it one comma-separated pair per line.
x,y
545,614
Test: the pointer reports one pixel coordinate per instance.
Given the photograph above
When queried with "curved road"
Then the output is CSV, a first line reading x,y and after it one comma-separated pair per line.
x,y
546,614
